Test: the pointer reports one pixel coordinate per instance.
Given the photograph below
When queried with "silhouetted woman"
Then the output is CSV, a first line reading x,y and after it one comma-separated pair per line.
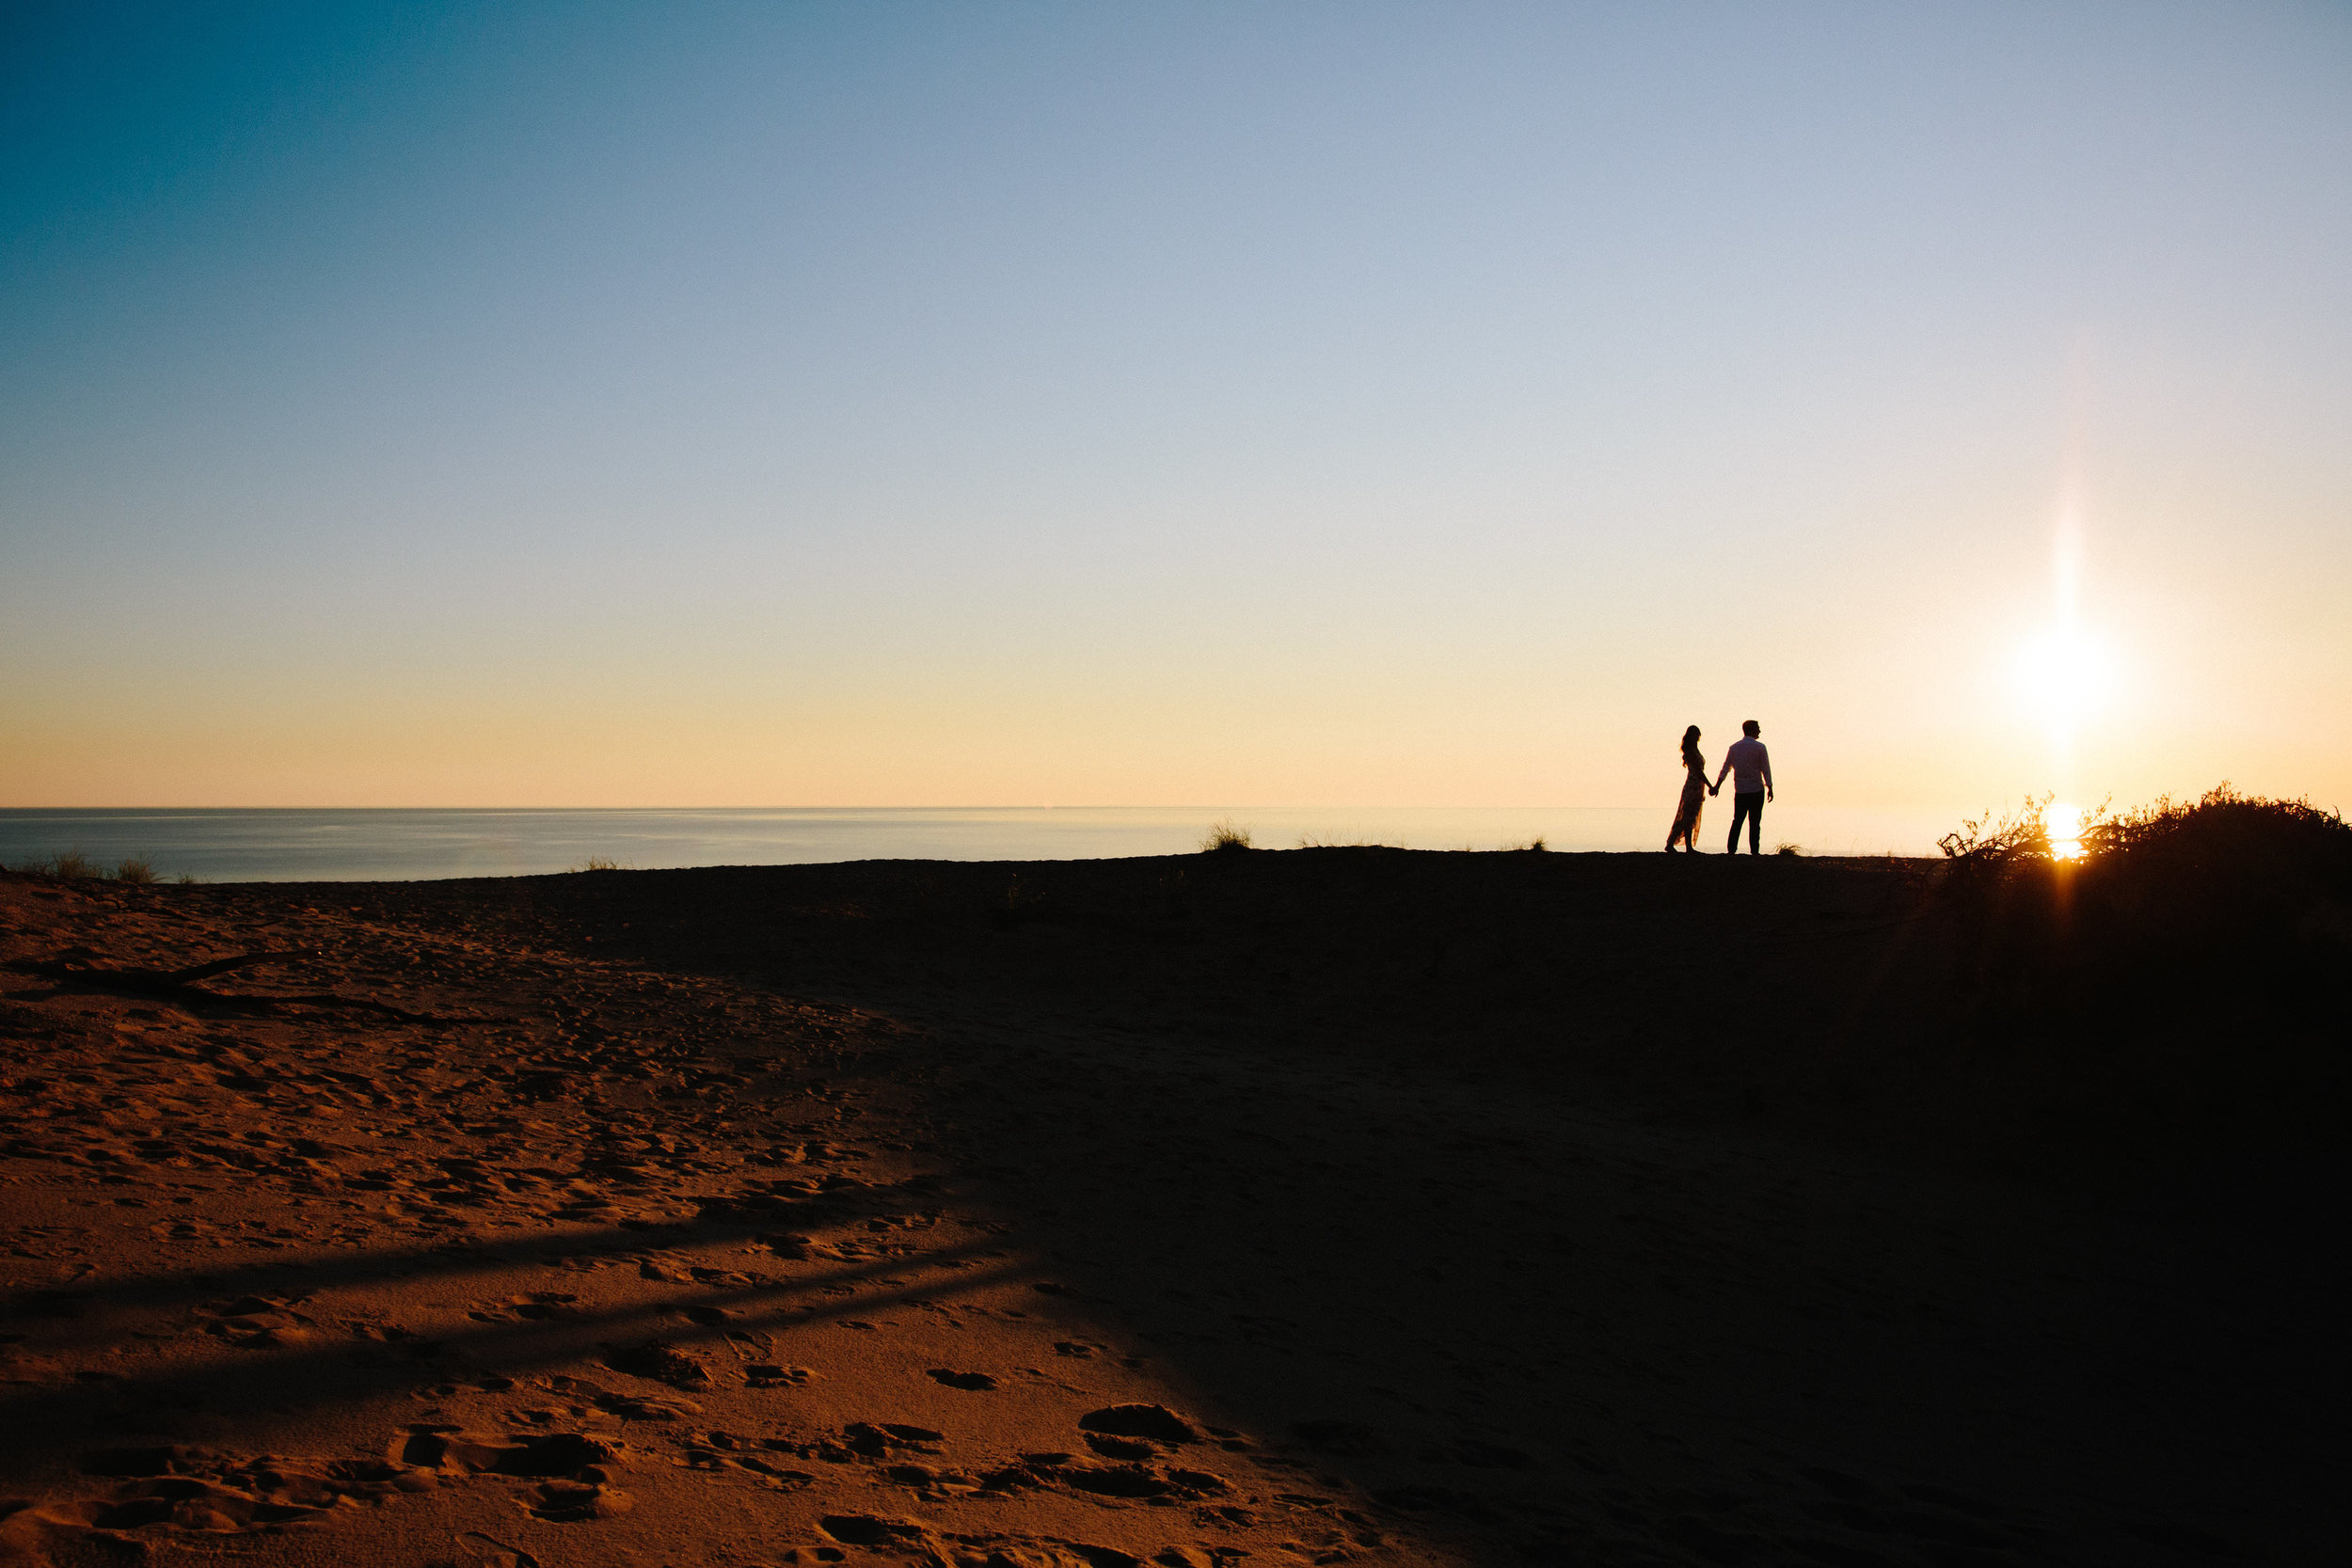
x,y
1695,790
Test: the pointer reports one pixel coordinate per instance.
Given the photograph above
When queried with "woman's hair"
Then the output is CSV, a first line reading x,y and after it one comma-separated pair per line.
x,y
1691,757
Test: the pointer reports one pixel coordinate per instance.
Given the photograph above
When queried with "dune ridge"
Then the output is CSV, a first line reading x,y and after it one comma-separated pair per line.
x,y
1322,1205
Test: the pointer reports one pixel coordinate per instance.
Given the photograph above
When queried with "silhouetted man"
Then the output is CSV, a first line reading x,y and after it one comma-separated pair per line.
x,y
1751,769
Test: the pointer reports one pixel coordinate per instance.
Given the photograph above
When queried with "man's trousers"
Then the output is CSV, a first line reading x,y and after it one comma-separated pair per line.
x,y
1748,809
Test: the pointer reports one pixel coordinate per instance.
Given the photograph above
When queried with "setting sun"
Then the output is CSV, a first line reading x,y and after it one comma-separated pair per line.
x,y
2065,676
2064,825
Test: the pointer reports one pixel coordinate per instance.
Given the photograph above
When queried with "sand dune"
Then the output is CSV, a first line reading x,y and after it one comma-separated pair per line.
x,y
1338,1208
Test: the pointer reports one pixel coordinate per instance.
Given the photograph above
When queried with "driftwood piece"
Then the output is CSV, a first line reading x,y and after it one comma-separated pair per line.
x,y
169,984
181,985
194,973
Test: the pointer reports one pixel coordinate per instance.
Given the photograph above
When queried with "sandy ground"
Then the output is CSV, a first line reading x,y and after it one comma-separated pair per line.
x,y
1331,1210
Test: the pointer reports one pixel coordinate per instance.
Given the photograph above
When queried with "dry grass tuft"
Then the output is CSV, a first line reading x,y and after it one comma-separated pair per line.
x,y
598,862
1787,847
72,863
137,870
1225,836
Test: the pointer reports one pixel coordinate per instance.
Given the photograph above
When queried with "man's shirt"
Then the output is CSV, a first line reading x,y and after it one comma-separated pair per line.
x,y
1749,765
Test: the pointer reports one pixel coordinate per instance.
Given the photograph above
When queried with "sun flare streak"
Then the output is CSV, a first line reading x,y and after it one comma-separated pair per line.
x,y
2066,675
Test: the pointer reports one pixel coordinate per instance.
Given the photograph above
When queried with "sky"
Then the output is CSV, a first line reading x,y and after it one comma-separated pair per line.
x,y
1170,404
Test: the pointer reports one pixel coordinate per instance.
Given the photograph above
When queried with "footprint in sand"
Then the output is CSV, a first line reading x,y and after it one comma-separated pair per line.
x,y
573,1502
1155,1421
535,1306
662,1362
1126,1449
557,1453
868,1529
202,1489
256,1322
574,1470
863,1440
631,1407
970,1381
501,1555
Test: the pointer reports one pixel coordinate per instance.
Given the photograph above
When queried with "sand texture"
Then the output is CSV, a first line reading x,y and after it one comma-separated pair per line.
x,y
1319,1207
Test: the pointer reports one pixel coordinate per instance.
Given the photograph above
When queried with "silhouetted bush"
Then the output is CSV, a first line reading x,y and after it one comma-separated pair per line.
x,y
2232,891
2232,900
1986,848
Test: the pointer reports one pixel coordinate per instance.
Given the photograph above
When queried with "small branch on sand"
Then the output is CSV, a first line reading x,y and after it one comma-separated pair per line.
x,y
223,966
180,986
170,983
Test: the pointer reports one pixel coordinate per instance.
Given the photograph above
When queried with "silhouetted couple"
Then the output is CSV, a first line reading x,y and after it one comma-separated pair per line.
x,y
1751,769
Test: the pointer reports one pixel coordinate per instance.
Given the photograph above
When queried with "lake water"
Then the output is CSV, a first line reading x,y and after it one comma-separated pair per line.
x,y
399,846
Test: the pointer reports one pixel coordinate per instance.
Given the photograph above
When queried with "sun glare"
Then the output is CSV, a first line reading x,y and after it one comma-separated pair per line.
x,y
2064,676
2064,824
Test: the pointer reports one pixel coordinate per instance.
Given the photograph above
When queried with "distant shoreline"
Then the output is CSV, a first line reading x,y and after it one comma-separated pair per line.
x,y
392,844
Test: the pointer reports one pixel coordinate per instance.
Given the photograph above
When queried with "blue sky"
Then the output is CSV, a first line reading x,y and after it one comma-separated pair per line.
x,y
873,405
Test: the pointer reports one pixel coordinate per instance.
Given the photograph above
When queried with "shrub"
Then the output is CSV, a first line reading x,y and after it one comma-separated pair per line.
x,y
1986,853
1225,836
2224,825
185,879
2235,884
2233,899
1986,844
136,870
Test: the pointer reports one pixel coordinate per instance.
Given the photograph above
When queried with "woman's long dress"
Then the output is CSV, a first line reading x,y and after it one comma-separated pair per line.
x,y
1685,826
